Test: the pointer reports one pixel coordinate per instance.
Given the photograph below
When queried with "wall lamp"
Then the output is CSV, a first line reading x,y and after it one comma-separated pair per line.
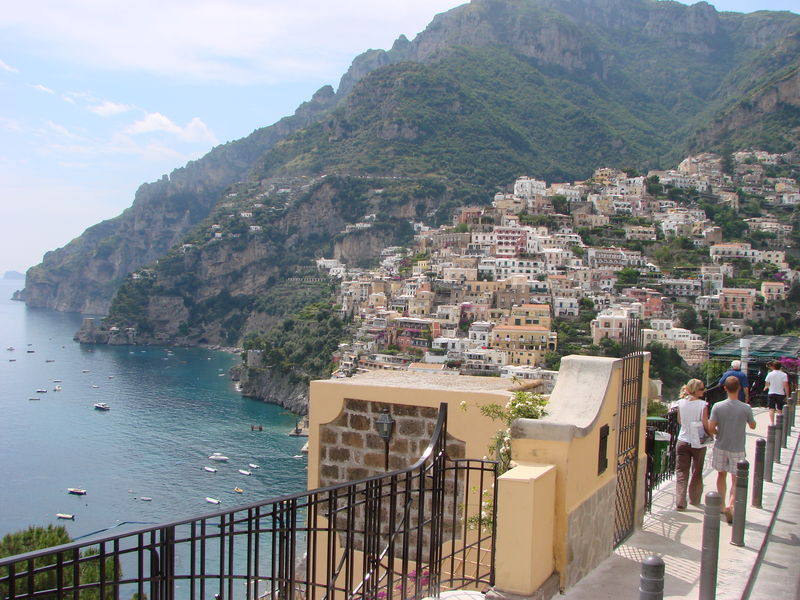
x,y
384,424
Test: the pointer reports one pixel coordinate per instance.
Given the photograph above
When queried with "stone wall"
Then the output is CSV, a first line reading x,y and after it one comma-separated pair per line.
x,y
590,533
352,450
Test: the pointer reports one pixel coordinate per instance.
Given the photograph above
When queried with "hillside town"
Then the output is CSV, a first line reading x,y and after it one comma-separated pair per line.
x,y
550,269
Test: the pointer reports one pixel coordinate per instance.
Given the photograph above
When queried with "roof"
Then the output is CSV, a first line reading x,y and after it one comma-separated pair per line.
x,y
761,347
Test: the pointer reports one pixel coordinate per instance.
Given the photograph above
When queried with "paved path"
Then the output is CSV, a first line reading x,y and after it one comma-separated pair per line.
x,y
677,536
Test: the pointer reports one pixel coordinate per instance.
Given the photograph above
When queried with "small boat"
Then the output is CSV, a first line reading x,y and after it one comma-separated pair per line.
x,y
12,360
298,456
218,457
212,500
31,351
145,499
84,370
41,391
111,377
65,516
245,472
95,387
33,399
76,491
210,469
11,349
50,360
102,406
57,388
253,466
238,490
58,380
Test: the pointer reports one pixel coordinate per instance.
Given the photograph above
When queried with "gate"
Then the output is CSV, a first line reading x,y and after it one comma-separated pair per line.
x,y
629,422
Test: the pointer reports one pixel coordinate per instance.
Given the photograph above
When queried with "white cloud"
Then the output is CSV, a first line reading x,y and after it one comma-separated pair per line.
x,y
194,131
4,66
239,41
10,125
108,108
42,88
60,130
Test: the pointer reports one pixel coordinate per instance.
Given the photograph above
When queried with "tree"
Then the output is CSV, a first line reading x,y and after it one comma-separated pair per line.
x,y
628,276
688,318
38,538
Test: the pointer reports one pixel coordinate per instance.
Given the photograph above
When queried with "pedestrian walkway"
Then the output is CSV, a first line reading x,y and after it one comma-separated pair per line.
x,y
766,567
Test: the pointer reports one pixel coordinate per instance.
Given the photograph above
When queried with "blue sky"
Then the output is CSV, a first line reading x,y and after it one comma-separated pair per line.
x,y
97,97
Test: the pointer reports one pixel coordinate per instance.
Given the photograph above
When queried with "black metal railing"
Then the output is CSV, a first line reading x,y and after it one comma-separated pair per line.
x,y
403,535
660,468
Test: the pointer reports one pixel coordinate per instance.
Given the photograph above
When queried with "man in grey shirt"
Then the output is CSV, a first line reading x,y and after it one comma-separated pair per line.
x,y
727,422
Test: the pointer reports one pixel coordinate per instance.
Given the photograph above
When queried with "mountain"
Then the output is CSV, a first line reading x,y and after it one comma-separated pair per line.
x,y
489,91
13,276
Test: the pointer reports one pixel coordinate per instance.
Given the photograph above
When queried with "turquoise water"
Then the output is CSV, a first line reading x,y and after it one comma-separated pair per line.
x,y
170,409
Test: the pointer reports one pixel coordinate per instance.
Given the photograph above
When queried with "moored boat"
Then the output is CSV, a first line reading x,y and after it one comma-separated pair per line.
x,y
76,491
210,469
212,500
253,466
245,472
218,456
102,406
65,516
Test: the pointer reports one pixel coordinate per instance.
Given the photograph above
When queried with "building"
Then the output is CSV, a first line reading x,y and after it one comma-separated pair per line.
x,y
524,344
737,302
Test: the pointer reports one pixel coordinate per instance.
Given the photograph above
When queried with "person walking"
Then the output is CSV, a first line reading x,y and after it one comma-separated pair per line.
x,y
778,390
727,422
690,448
744,384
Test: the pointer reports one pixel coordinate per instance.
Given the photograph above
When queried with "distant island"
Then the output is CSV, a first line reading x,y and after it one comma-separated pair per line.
x,y
13,276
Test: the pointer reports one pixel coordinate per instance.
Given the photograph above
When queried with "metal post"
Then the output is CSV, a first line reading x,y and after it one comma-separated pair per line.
x,y
740,502
709,554
786,428
769,455
651,581
779,424
758,473
776,445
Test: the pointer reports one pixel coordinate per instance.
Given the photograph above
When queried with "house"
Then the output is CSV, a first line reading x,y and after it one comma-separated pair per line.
x,y
524,344
737,302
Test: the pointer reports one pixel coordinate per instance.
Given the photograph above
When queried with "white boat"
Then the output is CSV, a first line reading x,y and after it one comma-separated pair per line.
x,y
145,498
11,349
111,377
57,388
41,391
102,406
253,466
95,386
218,457
76,491
65,516
85,371
245,472
212,500
210,469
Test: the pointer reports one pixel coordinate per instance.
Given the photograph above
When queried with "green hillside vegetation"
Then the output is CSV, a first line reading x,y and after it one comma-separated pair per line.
x,y
303,343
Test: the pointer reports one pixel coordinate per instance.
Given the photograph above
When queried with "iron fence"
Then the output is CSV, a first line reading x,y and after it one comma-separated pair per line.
x,y
403,535
659,473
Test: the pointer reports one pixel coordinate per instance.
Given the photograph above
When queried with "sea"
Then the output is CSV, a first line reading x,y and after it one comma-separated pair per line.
x,y
141,462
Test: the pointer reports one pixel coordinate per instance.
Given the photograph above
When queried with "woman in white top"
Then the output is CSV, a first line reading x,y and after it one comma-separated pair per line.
x,y
690,448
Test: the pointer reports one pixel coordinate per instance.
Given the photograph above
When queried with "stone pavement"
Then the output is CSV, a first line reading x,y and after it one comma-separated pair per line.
x,y
765,568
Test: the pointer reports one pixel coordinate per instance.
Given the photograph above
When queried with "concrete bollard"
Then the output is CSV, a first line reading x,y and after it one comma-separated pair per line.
x,y
758,473
785,430
740,502
769,454
709,553
651,581
776,444
781,438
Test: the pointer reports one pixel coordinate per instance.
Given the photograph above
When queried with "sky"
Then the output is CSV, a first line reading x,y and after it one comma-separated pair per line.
x,y
98,97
